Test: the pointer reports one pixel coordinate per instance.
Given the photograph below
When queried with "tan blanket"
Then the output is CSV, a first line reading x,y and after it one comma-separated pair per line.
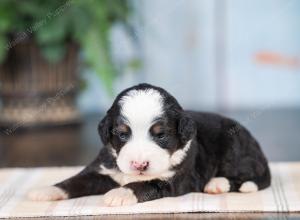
x,y
283,196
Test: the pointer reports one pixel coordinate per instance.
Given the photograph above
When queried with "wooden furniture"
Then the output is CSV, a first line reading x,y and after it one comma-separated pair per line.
x,y
35,92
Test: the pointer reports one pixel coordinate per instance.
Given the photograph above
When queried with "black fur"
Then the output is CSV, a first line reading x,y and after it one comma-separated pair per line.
x,y
217,149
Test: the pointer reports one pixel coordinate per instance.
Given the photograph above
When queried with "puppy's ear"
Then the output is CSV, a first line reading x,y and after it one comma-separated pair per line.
x,y
104,129
186,128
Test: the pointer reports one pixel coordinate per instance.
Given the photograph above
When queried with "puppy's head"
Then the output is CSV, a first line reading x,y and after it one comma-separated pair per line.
x,y
147,130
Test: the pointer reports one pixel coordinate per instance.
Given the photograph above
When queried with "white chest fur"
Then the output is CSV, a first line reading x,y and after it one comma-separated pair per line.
x,y
124,179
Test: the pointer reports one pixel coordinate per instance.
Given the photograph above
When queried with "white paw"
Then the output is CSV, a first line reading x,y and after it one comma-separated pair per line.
x,y
248,187
49,193
217,185
119,197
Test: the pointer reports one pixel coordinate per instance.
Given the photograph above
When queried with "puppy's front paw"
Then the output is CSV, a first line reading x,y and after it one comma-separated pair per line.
x,y
119,197
217,185
49,193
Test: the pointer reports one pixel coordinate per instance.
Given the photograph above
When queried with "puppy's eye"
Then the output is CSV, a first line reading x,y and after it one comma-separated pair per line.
x,y
122,131
160,135
158,132
124,136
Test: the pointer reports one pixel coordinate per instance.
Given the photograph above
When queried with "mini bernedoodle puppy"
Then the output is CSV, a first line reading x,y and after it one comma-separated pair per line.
x,y
154,149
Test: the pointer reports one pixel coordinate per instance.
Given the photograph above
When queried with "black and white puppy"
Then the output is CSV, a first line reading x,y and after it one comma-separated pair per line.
x,y
154,149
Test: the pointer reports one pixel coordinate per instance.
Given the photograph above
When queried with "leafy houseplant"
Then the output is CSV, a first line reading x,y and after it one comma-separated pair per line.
x,y
39,46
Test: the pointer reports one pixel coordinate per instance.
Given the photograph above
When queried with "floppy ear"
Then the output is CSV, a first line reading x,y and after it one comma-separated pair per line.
x,y
104,129
186,128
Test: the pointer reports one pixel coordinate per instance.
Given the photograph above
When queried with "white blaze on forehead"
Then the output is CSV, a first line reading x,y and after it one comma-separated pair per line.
x,y
140,107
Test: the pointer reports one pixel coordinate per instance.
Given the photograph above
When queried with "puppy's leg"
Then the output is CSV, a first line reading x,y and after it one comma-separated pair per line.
x,y
138,192
248,176
83,184
253,184
218,185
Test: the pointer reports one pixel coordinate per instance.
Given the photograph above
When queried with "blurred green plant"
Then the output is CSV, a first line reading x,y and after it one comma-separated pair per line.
x,y
53,23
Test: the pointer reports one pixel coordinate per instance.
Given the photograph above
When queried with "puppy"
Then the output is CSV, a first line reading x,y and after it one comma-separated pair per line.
x,y
153,149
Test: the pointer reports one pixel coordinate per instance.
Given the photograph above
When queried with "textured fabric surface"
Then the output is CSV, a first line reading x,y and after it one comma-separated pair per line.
x,y
283,196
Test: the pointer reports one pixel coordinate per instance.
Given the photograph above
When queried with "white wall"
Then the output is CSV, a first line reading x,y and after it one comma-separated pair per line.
x,y
204,52
253,27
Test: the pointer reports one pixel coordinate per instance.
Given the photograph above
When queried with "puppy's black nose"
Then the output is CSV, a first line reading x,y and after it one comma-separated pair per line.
x,y
140,166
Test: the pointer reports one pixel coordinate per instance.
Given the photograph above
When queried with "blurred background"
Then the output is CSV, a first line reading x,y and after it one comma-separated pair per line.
x,y
63,61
